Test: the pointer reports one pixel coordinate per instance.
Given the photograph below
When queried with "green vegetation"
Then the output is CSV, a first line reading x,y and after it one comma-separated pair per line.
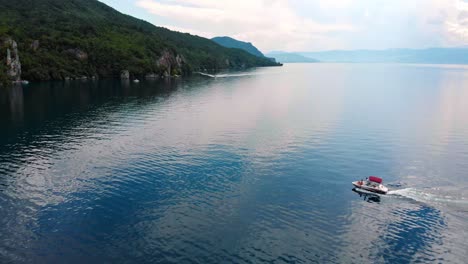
x,y
72,38
3,68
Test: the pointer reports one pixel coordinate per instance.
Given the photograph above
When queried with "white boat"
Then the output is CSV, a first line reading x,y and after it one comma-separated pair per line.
x,y
136,81
372,184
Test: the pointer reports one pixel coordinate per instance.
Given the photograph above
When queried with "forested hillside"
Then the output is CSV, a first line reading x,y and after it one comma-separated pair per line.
x,y
59,39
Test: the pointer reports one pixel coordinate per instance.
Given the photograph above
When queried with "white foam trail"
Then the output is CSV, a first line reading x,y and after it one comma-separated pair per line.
x,y
425,197
235,75
227,75
206,74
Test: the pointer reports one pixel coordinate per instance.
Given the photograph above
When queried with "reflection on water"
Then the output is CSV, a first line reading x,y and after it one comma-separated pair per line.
x,y
12,99
368,197
413,234
253,167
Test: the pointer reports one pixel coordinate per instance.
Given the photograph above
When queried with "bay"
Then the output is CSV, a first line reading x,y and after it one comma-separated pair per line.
x,y
248,167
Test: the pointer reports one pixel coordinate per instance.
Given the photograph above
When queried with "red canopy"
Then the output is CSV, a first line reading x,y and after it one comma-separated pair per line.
x,y
375,179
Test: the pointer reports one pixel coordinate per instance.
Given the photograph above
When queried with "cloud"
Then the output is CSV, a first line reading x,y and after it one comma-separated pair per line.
x,y
456,22
299,25
447,20
269,24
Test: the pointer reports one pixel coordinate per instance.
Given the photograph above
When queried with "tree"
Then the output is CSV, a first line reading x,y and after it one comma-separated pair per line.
x,y
4,80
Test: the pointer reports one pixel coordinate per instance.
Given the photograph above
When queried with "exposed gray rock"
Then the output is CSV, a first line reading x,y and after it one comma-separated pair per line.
x,y
12,61
180,60
169,63
125,74
78,54
35,45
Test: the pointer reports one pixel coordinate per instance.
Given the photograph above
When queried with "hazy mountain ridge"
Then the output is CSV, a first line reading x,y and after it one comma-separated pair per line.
x,y
428,56
229,42
290,57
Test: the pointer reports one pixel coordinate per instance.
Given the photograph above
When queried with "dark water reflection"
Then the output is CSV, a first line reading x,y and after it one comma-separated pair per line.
x,y
249,168
41,102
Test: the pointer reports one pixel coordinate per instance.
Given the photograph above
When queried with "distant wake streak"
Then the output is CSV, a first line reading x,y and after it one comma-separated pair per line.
x,y
226,75
206,74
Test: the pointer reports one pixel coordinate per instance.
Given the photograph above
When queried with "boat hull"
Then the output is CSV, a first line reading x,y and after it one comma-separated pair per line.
x,y
362,186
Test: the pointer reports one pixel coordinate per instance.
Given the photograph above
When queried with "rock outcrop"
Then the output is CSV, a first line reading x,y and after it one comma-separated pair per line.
x,y
35,45
78,54
170,64
125,75
12,60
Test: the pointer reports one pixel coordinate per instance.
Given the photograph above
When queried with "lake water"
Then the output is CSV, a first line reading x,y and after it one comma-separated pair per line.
x,y
249,167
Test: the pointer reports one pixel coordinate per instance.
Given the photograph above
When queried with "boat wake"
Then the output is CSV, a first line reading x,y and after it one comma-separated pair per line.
x,y
206,74
428,196
226,75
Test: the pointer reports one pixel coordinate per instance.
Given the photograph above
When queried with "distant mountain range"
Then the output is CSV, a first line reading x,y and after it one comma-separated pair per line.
x,y
237,44
290,57
427,56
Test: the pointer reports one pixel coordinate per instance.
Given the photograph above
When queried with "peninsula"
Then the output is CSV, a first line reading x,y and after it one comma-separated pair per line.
x,y
66,39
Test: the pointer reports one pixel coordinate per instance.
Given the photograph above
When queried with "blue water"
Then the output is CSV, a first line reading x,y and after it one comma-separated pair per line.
x,y
249,167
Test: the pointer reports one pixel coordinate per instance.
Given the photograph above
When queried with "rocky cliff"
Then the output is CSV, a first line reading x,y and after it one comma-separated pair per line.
x,y
171,64
167,65
11,62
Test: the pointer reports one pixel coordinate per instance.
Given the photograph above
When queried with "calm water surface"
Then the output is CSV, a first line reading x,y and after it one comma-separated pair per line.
x,y
246,168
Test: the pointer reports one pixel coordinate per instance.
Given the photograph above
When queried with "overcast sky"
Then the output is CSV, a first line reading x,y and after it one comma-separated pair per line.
x,y
311,25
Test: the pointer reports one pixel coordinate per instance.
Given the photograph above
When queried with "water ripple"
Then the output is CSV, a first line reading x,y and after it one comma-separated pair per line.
x,y
248,169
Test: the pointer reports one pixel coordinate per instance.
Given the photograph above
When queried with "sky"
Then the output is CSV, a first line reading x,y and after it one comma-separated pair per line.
x,y
312,25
